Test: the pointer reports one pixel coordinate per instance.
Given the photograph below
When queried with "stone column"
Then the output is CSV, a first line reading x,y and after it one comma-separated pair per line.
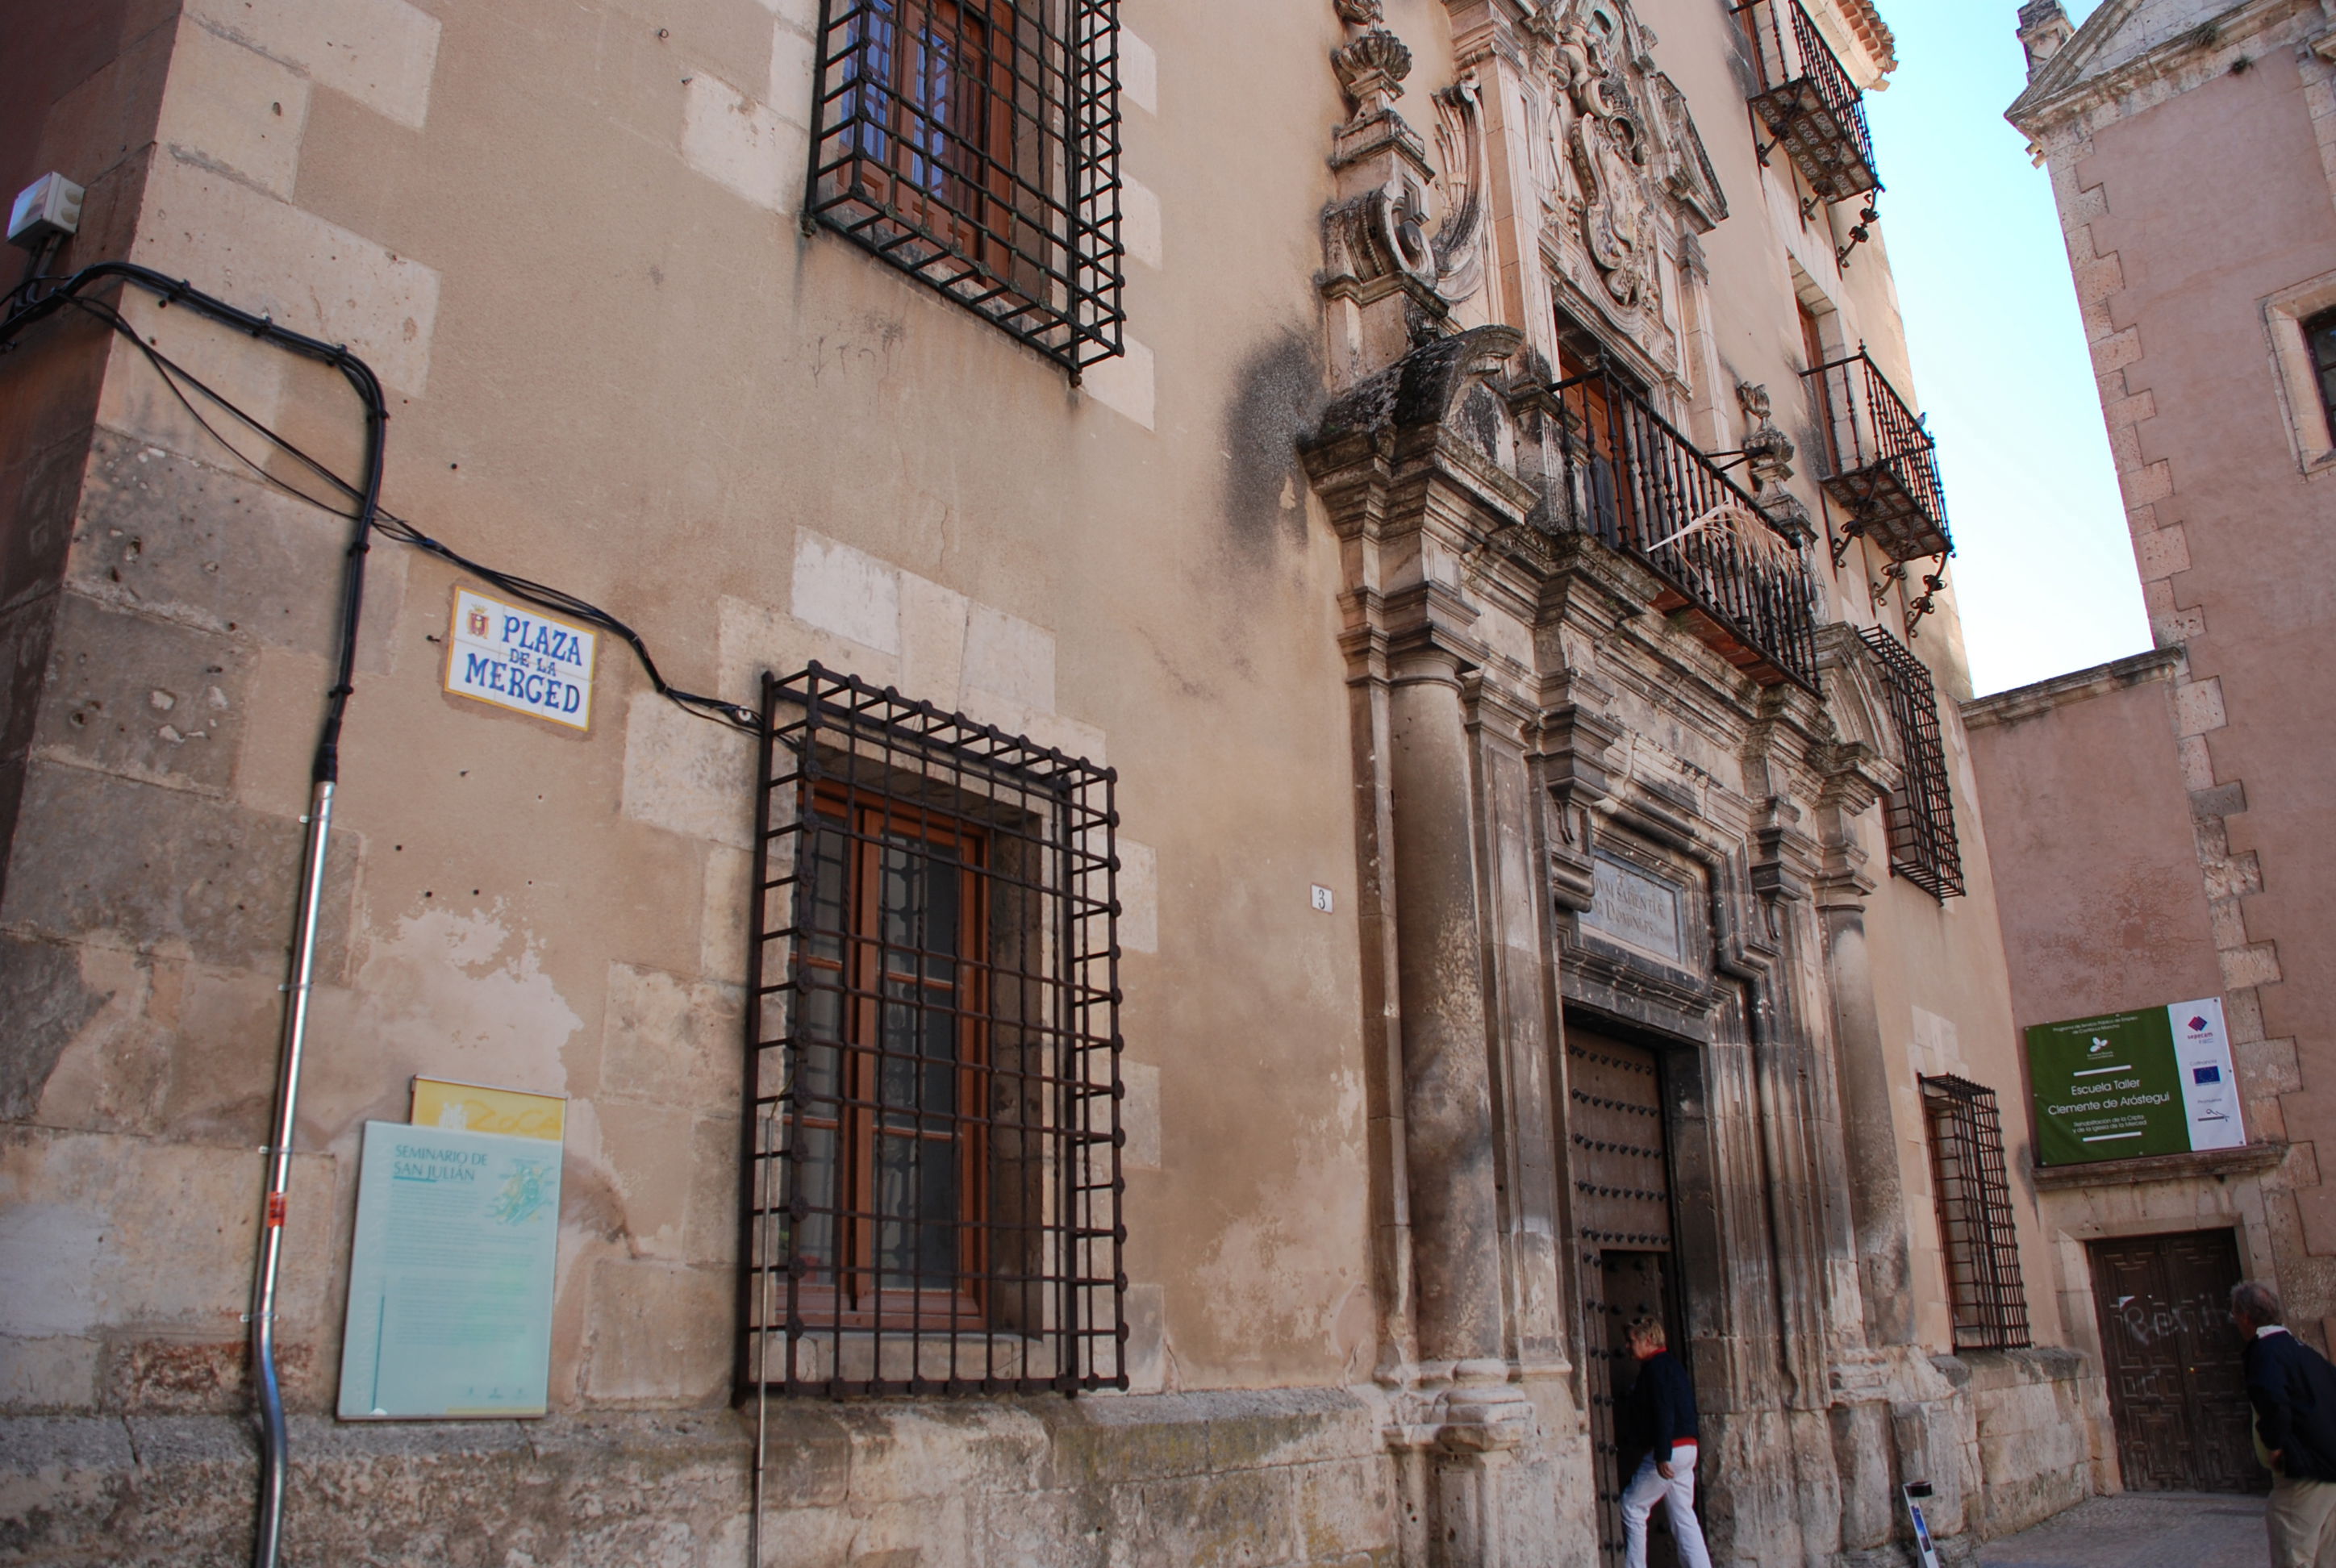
x,y
1448,1070
1876,1193
1477,1414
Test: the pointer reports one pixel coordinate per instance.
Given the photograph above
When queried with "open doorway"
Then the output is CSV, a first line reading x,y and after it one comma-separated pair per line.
x,y
1617,1125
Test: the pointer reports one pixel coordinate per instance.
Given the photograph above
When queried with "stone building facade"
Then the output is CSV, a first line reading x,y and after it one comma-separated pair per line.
x,y
2156,822
1451,462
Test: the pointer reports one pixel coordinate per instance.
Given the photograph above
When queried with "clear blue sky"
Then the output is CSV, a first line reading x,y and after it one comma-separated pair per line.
x,y
2044,572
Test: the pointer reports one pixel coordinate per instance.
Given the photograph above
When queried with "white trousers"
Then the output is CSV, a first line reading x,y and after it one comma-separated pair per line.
x,y
1648,1488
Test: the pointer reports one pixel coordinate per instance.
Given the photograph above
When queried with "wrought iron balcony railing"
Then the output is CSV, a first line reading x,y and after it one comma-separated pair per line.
x,y
1620,471
1807,102
1881,464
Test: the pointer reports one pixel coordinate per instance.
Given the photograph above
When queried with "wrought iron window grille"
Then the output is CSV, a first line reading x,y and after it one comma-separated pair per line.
x,y
974,144
932,1183
1921,812
1976,1233
1620,471
1881,462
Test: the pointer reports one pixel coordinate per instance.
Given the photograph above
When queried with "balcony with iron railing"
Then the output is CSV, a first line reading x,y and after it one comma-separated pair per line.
x,y
1881,464
1620,473
1807,102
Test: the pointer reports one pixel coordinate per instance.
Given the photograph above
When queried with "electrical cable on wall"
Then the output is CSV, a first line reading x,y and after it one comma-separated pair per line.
x,y
389,525
29,302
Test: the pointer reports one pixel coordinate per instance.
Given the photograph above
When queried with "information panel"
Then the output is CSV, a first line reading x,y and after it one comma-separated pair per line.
x,y
450,1288
2157,1081
446,1103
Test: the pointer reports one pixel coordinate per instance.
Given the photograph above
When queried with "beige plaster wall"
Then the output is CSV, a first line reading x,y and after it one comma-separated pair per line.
x,y
566,239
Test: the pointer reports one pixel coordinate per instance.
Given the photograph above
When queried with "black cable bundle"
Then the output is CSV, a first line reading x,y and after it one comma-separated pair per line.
x,y
369,515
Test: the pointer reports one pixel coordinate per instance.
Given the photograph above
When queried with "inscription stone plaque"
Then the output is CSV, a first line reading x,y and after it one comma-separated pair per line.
x,y
1636,910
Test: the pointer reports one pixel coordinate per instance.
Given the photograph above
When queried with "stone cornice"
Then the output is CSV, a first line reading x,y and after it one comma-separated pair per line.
x,y
2069,87
2044,696
2250,1159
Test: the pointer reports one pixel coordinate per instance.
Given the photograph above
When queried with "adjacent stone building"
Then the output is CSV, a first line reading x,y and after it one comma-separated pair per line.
x,y
1323,777
2159,823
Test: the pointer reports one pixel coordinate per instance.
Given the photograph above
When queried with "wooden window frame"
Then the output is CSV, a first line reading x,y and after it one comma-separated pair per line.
x,y
975,156
853,1295
974,144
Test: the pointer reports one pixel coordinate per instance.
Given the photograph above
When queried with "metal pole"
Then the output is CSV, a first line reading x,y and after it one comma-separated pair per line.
x,y
274,1450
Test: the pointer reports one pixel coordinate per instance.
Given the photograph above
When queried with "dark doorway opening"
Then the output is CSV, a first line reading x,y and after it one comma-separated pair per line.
x,y
2177,1385
1621,1158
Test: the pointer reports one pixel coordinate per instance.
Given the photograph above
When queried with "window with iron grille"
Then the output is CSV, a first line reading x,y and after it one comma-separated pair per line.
x,y
1981,1248
932,1140
2320,335
1922,810
974,144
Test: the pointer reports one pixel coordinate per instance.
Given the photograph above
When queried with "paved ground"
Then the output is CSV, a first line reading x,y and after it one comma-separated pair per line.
x,y
2143,1529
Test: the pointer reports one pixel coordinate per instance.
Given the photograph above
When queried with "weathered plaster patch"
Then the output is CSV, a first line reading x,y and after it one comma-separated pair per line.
x,y
447,993
113,1074
1140,227
934,653
756,639
728,886
647,1153
670,1041
273,259
1125,385
1139,1115
46,1002
381,52
101,1232
1009,658
55,1372
847,591
1139,897
1139,73
686,776
659,1332
742,145
794,60
1938,1046
235,108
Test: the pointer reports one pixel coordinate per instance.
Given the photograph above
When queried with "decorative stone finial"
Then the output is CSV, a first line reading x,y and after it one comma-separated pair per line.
x,y
1371,70
2044,29
1361,13
1769,449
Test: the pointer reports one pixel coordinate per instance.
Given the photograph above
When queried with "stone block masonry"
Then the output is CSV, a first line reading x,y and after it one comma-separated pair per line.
x,y
1262,1480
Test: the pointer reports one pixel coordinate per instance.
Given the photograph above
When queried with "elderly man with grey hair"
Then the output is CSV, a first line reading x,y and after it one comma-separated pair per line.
x,y
2293,1391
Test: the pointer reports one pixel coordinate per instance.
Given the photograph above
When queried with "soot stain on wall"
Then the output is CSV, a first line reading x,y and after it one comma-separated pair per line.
x,y
1279,397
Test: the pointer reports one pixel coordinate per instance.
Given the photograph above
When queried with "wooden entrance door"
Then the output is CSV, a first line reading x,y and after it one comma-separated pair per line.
x,y
1622,1215
2176,1383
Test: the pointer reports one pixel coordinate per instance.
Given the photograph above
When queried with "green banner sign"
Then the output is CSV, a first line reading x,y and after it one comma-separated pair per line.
x,y
2157,1081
